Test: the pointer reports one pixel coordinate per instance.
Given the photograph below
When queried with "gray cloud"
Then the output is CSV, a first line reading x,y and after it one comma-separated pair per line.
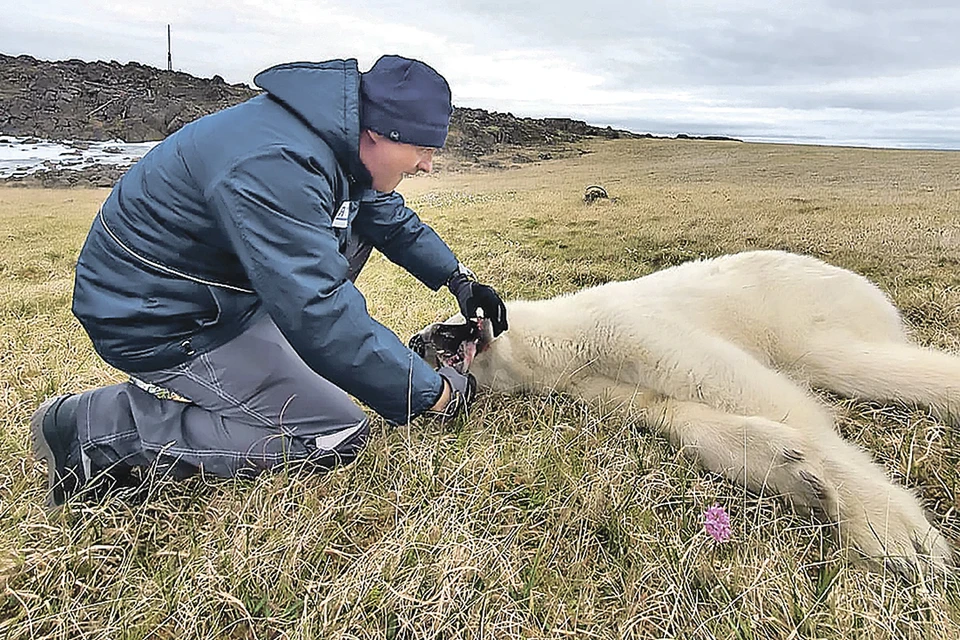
x,y
841,70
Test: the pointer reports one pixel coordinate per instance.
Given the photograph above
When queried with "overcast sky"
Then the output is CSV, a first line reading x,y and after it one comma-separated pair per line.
x,y
864,72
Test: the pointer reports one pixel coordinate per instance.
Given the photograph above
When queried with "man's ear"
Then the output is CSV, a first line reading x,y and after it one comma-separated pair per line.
x,y
368,140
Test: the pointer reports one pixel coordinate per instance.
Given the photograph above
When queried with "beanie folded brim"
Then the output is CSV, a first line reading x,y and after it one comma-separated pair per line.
x,y
398,129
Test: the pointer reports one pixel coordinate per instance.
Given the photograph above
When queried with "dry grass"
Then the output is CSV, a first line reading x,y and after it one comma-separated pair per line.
x,y
535,517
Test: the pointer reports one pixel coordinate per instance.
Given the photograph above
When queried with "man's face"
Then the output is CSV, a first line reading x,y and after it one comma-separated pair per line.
x,y
388,161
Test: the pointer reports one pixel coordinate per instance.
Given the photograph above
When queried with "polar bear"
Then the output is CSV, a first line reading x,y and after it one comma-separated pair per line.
x,y
719,356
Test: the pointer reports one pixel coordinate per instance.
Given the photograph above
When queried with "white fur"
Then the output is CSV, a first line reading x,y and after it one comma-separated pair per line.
x,y
718,356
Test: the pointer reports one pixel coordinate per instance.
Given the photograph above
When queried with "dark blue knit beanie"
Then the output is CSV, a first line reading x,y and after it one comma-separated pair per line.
x,y
406,101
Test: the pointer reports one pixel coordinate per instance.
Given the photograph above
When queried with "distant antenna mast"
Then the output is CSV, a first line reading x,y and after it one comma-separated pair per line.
x,y
169,57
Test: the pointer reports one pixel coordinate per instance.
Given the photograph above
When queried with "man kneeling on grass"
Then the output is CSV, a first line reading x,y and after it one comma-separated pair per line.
x,y
219,274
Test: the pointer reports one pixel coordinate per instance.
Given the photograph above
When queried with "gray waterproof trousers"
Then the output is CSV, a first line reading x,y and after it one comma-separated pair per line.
x,y
245,407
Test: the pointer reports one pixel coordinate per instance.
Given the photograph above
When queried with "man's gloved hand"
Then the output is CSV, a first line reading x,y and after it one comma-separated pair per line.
x,y
463,390
471,295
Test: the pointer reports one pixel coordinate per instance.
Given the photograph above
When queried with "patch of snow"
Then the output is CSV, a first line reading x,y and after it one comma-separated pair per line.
x,y
23,156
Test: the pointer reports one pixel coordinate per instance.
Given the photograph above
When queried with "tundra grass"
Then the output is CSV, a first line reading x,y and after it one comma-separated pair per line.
x,y
534,517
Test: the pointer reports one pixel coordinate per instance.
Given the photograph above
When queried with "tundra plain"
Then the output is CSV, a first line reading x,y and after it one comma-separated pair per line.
x,y
533,517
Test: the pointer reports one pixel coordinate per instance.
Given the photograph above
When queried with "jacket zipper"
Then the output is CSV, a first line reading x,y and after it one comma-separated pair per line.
x,y
166,269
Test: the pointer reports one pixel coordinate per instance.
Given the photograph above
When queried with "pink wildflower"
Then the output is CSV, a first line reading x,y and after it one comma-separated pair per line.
x,y
717,523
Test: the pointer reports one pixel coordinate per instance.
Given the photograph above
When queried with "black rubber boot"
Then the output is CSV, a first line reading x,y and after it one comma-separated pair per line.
x,y
53,433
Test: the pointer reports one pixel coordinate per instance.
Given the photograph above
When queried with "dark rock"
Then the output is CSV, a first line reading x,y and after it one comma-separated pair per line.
x,y
77,100
93,100
686,136
93,176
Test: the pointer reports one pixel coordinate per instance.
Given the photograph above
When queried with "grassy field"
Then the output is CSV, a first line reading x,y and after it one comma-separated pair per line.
x,y
535,517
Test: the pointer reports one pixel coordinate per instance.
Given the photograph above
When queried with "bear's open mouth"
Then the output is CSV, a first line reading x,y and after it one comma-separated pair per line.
x,y
457,344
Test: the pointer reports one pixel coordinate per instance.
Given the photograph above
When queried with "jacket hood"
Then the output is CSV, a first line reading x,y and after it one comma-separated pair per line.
x,y
326,96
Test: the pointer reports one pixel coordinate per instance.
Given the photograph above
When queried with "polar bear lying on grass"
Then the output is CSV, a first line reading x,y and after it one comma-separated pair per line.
x,y
718,356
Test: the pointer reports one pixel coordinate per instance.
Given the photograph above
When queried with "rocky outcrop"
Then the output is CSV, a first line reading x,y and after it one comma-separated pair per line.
x,y
80,100
77,100
475,133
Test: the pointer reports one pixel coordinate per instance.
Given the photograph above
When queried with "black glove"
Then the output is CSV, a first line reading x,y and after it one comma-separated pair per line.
x,y
471,295
463,390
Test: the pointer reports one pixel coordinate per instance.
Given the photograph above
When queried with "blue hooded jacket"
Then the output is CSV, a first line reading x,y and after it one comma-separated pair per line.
x,y
244,212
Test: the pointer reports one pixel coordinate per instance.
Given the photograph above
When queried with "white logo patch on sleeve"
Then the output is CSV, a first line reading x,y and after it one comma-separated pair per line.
x,y
343,216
